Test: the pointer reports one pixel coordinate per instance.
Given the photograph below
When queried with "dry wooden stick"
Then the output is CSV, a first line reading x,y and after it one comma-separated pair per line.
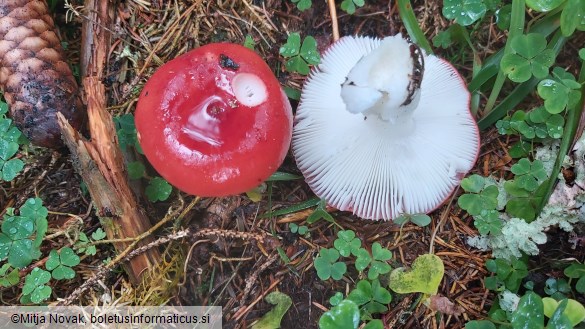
x,y
334,24
100,161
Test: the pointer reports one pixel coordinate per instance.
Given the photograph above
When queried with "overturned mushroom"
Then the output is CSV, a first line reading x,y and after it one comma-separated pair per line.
x,y
384,129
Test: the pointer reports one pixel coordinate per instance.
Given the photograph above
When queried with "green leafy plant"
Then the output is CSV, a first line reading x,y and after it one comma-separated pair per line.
x,y
488,221
303,5
301,230
377,261
8,277
35,289
464,12
560,91
522,203
529,57
60,263
320,213
479,197
18,242
10,166
557,288
508,274
158,189
371,297
346,315
84,244
126,130
272,319
379,265
299,57
249,42
347,243
577,271
529,175
543,5
573,310
136,170
328,266
349,6
424,276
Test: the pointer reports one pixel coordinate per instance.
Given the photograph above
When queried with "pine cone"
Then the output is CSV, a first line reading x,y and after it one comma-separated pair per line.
x,y
36,80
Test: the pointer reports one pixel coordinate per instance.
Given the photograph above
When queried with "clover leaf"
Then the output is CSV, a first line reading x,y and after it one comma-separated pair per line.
x,y
529,175
557,288
480,198
15,244
60,263
363,259
509,273
84,244
136,170
300,56
303,5
559,92
126,131
529,58
349,6
99,234
372,297
336,299
158,189
552,123
543,5
347,243
346,315
327,265
572,16
522,203
379,265
35,289
294,228
529,313
9,138
464,12
504,17
8,278
488,221
577,271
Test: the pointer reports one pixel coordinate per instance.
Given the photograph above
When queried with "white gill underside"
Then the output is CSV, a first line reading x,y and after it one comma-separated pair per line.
x,y
373,168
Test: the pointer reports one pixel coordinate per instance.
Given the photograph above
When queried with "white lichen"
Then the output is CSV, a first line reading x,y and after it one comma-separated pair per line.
x,y
565,207
508,301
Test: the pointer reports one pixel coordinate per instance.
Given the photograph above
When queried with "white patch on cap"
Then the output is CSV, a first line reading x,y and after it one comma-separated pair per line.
x,y
249,89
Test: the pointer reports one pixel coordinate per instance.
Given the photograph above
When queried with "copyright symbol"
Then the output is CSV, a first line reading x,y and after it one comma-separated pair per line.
x,y
14,318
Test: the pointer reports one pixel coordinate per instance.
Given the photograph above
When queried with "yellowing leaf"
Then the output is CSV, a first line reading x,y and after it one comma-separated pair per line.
x,y
425,276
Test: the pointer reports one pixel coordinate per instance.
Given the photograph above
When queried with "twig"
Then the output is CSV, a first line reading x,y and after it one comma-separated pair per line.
x,y
104,270
334,24
243,312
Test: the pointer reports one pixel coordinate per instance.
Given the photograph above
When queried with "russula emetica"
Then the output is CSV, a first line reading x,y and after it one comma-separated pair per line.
x,y
383,129
214,121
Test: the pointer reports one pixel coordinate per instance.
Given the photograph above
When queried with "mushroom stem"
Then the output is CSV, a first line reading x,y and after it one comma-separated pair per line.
x,y
386,82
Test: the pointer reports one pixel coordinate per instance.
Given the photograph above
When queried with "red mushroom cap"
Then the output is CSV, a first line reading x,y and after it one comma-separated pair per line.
x,y
214,121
